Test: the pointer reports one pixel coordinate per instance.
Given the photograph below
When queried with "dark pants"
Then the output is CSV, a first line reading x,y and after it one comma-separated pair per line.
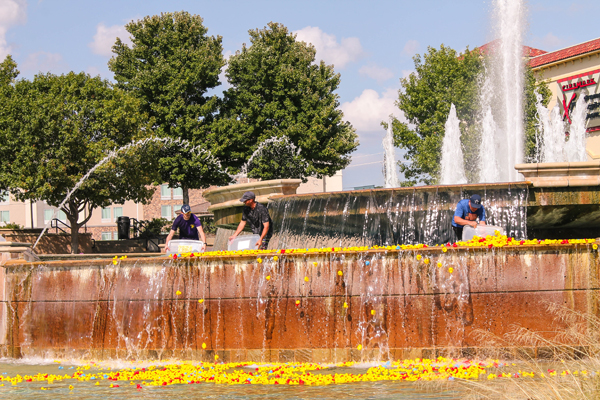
x,y
458,231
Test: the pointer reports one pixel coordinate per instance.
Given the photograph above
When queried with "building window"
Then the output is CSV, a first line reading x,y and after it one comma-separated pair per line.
x,y
5,217
106,235
165,212
48,214
165,192
116,235
175,209
4,197
178,193
106,214
117,212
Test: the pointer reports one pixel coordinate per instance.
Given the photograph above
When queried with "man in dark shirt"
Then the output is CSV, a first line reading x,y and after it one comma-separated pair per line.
x,y
189,227
258,217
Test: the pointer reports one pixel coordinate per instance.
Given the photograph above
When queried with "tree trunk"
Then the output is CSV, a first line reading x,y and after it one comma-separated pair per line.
x,y
186,195
74,233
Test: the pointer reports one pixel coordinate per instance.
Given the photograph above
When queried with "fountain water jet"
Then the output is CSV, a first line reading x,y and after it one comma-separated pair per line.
x,y
488,162
389,158
453,170
507,62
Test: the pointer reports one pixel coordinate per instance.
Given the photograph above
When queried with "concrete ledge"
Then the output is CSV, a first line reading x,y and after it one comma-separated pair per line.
x,y
17,251
575,174
229,196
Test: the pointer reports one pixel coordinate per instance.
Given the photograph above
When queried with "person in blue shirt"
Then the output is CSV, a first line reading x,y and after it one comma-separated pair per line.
x,y
189,227
468,211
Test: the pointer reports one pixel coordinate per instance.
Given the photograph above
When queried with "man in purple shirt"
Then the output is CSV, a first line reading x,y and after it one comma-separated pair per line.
x,y
189,227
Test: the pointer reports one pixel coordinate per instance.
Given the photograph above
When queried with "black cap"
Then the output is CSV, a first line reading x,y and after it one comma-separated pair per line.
x,y
247,196
476,201
186,209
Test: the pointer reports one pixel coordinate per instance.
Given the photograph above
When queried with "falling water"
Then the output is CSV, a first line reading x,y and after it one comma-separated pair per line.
x,y
389,158
507,61
453,170
388,217
284,141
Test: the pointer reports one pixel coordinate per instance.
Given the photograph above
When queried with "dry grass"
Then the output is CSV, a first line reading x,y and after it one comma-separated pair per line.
x,y
573,352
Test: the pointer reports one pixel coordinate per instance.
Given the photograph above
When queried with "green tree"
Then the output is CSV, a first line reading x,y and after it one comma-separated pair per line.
x,y
57,128
8,76
170,66
277,90
442,77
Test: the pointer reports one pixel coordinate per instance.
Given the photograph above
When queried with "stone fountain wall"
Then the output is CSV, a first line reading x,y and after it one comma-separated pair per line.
x,y
398,305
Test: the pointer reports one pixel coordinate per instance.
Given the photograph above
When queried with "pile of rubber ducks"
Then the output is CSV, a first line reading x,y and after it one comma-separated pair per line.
x,y
294,373
490,241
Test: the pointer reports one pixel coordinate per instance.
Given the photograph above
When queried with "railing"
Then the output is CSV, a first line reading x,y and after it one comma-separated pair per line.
x,y
138,227
55,223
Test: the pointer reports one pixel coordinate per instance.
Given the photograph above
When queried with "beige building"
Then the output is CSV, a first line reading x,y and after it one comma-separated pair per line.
x,y
165,203
573,72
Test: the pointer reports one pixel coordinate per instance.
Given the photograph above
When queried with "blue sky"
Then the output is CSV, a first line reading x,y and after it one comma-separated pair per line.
x,y
371,43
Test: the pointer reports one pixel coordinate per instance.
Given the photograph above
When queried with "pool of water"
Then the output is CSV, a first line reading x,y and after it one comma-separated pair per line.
x,y
89,389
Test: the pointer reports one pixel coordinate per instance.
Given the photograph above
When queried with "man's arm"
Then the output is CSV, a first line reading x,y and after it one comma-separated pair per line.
x,y
240,228
202,236
462,221
169,239
263,234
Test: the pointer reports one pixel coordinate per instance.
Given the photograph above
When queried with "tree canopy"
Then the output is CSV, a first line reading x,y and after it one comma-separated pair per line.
x,y
277,90
443,77
170,67
54,129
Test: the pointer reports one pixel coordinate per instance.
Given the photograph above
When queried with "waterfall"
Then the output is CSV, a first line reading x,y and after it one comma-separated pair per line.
x,y
453,170
389,217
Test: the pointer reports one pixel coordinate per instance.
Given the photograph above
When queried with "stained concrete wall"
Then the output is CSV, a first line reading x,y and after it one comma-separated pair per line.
x,y
398,305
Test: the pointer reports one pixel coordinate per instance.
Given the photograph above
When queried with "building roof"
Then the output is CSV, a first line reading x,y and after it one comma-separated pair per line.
x,y
491,46
562,54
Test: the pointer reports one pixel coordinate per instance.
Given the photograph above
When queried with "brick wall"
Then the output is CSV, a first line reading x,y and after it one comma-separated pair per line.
x,y
153,209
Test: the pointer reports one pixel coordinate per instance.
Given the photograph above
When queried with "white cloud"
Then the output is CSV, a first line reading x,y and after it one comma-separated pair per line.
x,y
12,12
329,49
44,62
380,74
410,48
367,111
105,38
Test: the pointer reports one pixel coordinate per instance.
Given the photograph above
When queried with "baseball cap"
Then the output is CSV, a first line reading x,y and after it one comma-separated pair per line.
x,y
186,209
476,201
247,196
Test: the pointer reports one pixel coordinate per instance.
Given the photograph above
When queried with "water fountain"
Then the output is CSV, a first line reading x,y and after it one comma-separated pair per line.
x,y
334,304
